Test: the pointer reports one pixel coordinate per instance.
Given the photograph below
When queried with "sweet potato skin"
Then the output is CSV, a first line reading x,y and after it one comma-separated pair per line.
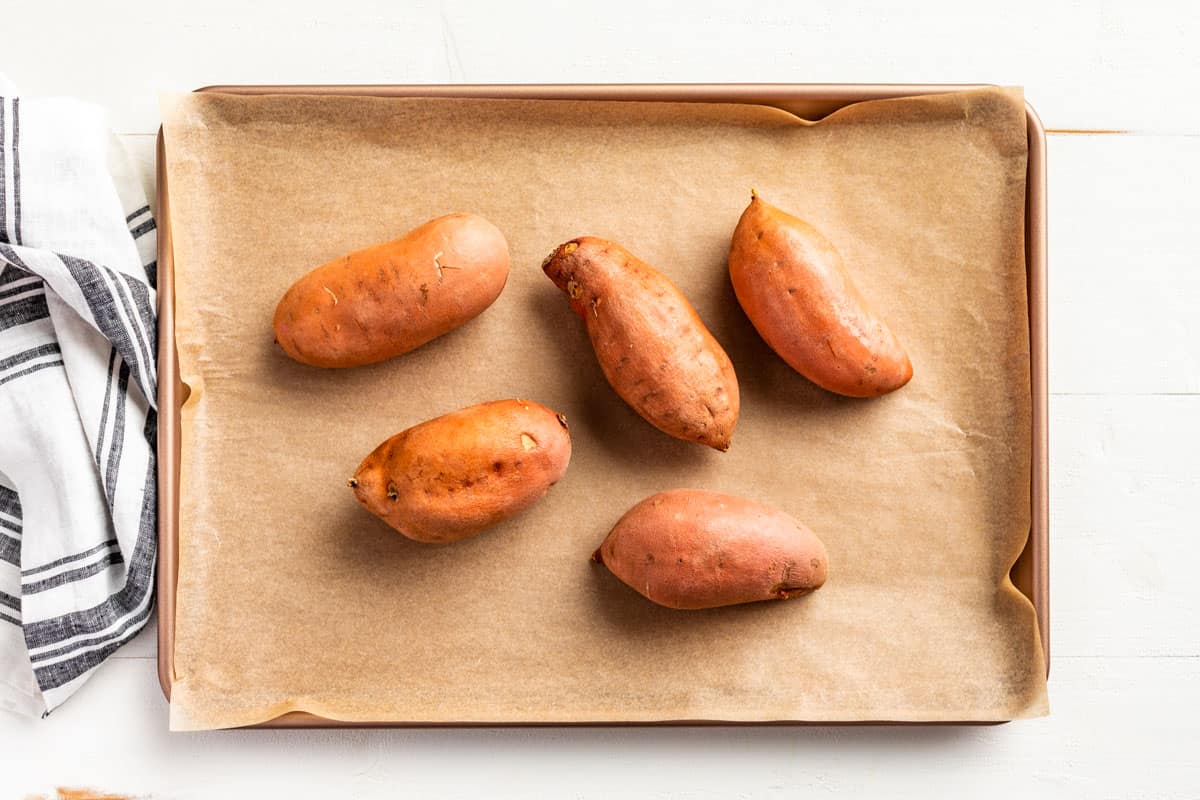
x,y
693,549
454,476
383,301
791,282
651,344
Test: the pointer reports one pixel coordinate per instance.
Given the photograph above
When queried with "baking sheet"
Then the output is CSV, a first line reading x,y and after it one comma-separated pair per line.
x,y
290,597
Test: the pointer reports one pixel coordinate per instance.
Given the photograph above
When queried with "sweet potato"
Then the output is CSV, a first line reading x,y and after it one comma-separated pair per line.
x,y
650,342
689,549
792,284
454,476
386,300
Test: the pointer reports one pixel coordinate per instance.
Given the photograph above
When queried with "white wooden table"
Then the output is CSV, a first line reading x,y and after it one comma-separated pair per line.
x,y
1117,85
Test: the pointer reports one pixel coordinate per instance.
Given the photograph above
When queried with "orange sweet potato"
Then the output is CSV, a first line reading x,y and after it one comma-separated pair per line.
x,y
689,549
650,342
454,476
790,281
386,300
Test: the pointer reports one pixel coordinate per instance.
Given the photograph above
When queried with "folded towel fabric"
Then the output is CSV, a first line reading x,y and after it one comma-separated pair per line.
x,y
77,399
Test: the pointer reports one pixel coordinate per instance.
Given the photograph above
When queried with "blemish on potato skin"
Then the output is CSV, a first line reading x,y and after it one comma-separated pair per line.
x,y
528,442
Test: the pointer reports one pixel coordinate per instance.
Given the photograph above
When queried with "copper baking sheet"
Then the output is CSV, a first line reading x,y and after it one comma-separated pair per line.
x,y
1030,574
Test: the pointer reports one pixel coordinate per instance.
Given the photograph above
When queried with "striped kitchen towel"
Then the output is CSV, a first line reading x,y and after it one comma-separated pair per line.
x,y
77,399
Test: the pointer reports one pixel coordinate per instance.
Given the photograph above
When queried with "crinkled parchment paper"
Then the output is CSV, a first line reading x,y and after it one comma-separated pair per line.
x,y
292,597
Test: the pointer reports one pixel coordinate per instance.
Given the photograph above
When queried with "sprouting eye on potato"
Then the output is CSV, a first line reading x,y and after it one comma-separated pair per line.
x,y
453,477
383,301
650,342
792,284
692,549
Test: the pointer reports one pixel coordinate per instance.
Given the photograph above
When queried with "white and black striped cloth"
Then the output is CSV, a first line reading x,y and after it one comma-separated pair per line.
x,y
77,399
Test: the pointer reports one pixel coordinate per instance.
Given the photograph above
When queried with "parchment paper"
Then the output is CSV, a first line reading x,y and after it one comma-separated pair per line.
x,y
292,597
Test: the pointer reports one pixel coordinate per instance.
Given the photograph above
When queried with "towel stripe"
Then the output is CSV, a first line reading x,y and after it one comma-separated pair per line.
x,y
10,502
16,168
63,578
28,573
112,357
142,229
13,288
31,308
118,436
55,675
30,370
137,214
3,176
10,549
145,306
17,275
45,658
23,311
10,255
144,322
20,293
50,348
